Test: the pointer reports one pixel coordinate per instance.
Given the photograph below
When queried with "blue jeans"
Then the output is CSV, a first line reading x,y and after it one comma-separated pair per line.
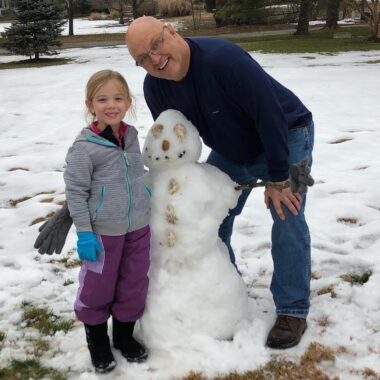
x,y
290,284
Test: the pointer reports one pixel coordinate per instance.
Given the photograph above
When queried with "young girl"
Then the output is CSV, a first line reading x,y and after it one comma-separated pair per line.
x,y
109,204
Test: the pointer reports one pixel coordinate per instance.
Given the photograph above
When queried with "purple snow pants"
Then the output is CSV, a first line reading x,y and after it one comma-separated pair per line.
x,y
117,283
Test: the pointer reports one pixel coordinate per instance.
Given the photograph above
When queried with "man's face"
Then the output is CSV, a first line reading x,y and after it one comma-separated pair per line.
x,y
159,50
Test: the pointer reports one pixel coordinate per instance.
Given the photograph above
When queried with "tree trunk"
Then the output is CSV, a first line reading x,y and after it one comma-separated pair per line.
x,y
135,7
70,16
121,13
332,14
303,18
374,22
362,7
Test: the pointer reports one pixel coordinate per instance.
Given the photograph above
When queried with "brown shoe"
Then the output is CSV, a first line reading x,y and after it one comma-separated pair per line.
x,y
286,332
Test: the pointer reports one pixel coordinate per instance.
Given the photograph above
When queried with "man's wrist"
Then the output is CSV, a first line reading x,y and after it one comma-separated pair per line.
x,y
279,186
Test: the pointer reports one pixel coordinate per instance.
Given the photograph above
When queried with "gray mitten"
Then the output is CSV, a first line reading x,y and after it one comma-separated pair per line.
x,y
300,178
54,231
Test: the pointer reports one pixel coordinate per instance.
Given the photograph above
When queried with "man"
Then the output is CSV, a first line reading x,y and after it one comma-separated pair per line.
x,y
255,127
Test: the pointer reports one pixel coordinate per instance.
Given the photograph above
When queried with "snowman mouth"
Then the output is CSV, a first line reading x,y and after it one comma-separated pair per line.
x,y
179,155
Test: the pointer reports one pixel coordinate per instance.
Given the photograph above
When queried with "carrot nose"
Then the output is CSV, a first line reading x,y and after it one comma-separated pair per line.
x,y
165,145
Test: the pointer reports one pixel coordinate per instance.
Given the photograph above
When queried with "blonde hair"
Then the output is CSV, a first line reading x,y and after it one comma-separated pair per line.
x,y
99,79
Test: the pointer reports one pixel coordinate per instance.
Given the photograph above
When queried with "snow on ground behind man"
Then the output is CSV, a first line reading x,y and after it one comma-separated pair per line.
x,y
41,112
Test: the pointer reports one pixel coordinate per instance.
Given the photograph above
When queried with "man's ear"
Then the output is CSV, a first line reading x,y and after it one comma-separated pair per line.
x,y
170,28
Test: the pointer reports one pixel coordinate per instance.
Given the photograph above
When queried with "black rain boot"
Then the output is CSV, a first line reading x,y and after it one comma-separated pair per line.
x,y
123,340
100,350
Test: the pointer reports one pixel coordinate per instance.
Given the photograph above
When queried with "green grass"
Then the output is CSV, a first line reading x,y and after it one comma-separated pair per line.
x,y
357,278
34,63
29,369
321,41
44,320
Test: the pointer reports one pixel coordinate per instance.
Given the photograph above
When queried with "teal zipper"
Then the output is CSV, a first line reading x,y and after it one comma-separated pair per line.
x,y
129,190
101,201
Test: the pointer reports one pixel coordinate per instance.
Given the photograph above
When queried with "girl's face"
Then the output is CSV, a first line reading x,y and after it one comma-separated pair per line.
x,y
109,104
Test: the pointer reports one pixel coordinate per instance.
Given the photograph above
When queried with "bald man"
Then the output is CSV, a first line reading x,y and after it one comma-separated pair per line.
x,y
256,129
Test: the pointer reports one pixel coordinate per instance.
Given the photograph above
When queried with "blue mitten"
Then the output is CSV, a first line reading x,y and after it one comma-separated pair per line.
x,y
88,246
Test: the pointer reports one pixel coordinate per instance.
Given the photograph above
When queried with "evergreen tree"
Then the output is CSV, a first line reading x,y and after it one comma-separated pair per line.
x,y
36,31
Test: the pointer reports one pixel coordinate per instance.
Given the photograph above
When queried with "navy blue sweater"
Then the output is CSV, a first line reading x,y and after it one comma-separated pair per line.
x,y
238,108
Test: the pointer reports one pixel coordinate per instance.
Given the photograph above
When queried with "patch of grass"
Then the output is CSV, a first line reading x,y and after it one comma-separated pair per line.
x,y
29,369
41,218
15,202
317,353
279,368
68,282
18,168
47,200
2,336
40,346
193,376
46,192
44,320
347,220
340,141
326,290
319,41
42,62
370,374
357,278
323,321
67,262
83,38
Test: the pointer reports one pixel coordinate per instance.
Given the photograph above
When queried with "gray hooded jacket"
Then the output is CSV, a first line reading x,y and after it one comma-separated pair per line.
x,y
105,188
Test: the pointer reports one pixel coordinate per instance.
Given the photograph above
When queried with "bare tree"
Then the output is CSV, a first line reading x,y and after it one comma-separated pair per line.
x,y
373,19
196,12
119,6
135,6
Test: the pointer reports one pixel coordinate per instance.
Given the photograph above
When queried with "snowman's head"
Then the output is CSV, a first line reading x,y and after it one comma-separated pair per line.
x,y
171,141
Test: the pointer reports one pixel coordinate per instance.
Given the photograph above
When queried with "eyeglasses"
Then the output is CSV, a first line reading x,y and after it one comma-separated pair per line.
x,y
144,59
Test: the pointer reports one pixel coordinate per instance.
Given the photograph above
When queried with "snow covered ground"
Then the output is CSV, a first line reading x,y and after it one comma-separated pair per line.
x,y
84,26
41,111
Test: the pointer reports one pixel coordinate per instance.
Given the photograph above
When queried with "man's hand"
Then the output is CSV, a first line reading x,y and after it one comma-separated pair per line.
x,y
54,231
291,200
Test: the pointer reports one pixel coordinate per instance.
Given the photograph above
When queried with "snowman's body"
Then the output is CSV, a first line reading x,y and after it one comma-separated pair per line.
x,y
194,288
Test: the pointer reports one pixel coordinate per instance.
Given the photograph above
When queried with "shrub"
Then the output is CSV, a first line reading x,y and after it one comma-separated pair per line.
x,y
173,8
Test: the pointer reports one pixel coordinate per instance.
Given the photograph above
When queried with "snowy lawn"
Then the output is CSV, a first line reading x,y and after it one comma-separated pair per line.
x,y
84,26
41,111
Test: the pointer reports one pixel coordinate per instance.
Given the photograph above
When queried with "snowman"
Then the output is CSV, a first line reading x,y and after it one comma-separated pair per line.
x,y
194,289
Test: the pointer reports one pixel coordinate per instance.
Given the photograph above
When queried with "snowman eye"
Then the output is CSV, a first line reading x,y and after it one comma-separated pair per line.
x,y
157,129
180,131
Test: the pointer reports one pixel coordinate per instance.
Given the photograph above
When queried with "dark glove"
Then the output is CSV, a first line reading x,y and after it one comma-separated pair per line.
x,y
300,178
54,231
88,246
